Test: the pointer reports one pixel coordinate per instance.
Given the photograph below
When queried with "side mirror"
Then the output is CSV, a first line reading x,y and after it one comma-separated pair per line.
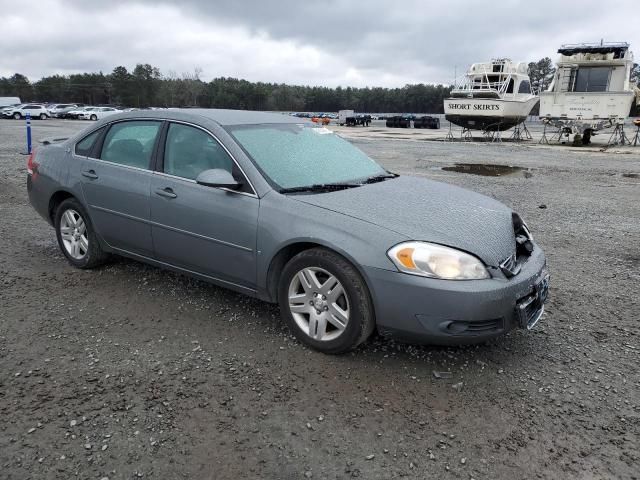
x,y
217,177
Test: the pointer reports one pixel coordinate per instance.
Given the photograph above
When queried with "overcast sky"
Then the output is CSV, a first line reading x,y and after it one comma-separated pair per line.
x,y
309,42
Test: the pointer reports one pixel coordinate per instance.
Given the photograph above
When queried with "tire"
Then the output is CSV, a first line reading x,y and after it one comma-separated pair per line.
x,y
94,117
85,257
17,116
343,316
43,116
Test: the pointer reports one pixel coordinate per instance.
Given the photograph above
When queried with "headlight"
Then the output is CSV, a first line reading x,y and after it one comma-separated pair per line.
x,y
436,261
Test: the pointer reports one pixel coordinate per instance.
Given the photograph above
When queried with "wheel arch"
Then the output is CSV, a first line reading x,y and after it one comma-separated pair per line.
x,y
293,248
56,199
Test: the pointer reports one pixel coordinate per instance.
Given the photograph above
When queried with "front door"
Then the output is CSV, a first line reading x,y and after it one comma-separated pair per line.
x,y
211,231
116,185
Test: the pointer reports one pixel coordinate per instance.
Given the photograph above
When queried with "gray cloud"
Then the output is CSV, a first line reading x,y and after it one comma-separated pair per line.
x,y
326,42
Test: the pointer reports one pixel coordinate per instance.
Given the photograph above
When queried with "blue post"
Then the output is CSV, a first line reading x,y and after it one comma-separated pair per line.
x,y
28,133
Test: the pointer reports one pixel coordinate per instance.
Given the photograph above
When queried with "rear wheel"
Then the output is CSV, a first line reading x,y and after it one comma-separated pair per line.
x,y
43,116
325,302
76,236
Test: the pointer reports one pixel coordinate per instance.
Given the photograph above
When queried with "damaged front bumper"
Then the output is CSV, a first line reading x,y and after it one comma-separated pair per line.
x,y
530,309
428,310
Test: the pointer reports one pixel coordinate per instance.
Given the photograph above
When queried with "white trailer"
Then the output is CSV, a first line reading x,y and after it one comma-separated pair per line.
x,y
343,115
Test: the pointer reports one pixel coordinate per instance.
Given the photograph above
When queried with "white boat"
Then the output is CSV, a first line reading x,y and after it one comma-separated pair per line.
x,y
491,96
591,89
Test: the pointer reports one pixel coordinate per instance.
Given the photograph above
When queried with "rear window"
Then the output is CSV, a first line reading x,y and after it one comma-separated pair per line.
x,y
84,146
130,143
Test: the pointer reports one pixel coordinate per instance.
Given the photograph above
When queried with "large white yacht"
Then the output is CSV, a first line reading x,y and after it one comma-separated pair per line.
x,y
492,96
591,89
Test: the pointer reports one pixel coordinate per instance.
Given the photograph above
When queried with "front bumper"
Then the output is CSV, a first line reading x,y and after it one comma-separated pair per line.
x,y
427,310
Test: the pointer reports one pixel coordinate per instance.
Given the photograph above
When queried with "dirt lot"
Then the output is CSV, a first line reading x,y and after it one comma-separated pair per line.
x,y
128,371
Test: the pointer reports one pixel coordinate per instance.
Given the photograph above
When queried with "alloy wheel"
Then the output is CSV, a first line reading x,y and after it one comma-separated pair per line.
x,y
318,303
75,237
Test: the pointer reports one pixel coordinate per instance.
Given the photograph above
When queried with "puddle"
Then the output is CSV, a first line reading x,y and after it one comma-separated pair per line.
x,y
487,170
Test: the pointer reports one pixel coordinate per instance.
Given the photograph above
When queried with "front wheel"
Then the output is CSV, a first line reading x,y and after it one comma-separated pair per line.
x,y
43,116
76,236
94,118
325,302
17,116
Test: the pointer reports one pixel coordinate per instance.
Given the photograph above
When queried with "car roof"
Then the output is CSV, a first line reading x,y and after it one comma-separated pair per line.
x,y
221,116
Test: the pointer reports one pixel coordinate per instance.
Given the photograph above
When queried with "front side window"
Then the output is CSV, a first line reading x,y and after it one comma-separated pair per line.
x,y
299,155
189,151
130,143
84,146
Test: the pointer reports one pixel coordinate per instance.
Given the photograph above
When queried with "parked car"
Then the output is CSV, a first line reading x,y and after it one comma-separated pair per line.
x,y
9,107
97,113
73,114
59,110
426,121
35,110
289,212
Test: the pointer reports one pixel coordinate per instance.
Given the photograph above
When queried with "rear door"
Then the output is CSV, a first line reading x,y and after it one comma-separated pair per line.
x,y
207,230
116,180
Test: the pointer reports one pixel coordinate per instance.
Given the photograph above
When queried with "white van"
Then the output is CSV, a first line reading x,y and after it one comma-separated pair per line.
x,y
9,101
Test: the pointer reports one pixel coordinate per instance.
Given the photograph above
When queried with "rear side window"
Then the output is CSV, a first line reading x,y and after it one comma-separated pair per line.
x,y
130,143
84,146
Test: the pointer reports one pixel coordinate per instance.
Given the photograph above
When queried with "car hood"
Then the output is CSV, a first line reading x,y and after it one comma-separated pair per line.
x,y
426,210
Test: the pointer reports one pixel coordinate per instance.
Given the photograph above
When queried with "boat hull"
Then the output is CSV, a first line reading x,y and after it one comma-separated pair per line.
x,y
487,114
585,110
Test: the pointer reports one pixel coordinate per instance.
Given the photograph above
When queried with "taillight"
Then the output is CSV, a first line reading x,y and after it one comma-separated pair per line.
x,y
32,166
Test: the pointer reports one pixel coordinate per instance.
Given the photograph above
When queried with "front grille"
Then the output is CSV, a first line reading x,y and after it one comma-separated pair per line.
x,y
529,311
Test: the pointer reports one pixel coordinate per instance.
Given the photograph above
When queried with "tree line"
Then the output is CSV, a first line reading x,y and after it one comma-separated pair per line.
x,y
146,86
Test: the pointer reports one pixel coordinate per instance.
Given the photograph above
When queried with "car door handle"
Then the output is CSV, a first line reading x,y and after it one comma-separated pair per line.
x,y
90,174
166,192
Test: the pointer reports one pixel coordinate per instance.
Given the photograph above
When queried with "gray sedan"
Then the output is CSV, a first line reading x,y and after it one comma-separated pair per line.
x,y
287,211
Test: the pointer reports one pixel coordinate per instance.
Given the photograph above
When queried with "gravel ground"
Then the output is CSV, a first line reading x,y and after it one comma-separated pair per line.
x,y
128,371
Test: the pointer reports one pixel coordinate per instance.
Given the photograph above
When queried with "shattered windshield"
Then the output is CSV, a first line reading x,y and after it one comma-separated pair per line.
x,y
298,155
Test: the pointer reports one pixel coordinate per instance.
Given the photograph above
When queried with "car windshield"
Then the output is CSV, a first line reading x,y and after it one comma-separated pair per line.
x,y
300,155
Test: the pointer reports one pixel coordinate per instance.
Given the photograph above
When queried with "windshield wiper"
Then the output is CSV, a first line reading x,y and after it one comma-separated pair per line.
x,y
320,187
380,178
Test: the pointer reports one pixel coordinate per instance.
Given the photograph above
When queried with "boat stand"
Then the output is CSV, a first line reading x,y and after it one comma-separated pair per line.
x,y
466,135
449,137
553,138
492,136
636,139
619,137
520,133
492,133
